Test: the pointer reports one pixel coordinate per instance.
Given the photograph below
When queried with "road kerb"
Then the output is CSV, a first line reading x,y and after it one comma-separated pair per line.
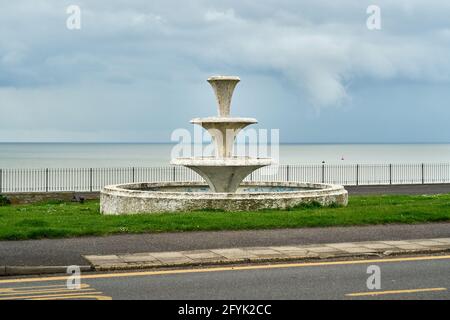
x,y
37,270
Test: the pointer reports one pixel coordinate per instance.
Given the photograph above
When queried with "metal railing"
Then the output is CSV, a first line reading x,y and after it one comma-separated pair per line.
x,y
94,179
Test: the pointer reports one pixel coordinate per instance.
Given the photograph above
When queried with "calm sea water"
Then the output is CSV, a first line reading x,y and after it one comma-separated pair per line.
x,y
67,155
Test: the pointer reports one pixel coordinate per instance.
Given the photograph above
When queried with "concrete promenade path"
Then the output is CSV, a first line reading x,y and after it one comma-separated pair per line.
x,y
410,189
63,252
144,260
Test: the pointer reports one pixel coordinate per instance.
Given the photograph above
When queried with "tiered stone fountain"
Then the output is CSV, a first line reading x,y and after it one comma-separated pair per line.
x,y
223,173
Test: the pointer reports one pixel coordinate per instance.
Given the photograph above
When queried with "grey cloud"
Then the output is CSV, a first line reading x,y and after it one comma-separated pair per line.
x,y
318,48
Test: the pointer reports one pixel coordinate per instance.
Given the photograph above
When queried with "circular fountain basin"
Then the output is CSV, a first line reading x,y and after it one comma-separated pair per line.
x,y
159,197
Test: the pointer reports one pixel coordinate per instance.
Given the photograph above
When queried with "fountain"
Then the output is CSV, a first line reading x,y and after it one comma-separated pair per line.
x,y
223,173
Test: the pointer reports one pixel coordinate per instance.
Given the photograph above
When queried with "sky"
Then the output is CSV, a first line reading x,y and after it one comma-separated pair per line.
x,y
136,69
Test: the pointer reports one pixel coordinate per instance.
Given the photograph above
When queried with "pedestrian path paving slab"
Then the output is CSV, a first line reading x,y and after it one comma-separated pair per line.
x,y
443,240
258,254
429,243
377,246
359,250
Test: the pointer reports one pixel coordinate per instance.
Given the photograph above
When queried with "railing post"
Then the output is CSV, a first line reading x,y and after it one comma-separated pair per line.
x,y
46,180
423,173
1,180
390,173
174,174
132,172
90,179
323,173
357,174
287,172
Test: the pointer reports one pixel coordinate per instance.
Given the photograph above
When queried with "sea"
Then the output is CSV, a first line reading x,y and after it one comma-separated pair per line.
x,y
108,155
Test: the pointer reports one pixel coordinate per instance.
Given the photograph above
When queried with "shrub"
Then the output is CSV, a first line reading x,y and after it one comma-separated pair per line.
x,y
4,201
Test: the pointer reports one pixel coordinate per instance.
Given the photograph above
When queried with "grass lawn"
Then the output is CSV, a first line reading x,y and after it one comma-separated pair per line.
x,y
57,220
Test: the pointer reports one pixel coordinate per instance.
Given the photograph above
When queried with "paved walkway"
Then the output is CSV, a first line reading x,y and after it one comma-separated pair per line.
x,y
400,189
259,254
61,252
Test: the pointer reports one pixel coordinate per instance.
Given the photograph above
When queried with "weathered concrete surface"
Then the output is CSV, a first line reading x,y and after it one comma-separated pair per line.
x,y
140,198
261,254
223,131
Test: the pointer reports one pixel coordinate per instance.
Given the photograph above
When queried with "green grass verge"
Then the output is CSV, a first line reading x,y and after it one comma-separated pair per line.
x,y
57,220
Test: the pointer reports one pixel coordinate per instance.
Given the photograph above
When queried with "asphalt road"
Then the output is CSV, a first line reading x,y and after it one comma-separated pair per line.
x,y
400,278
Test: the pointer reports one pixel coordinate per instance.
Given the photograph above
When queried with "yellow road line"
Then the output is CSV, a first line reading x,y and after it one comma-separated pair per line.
x,y
228,268
96,297
378,293
49,288
29,292
55,296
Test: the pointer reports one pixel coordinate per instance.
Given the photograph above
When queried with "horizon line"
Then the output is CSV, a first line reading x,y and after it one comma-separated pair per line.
x,y
281,143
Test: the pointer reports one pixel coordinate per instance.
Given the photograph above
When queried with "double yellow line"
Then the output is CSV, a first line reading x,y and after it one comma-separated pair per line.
x,y
227,268
50,293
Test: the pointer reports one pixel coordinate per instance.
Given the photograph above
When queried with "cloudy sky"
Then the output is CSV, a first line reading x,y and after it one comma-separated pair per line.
x,y
136,69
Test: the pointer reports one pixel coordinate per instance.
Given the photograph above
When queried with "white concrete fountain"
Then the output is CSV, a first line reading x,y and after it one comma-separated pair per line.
x,y
223,173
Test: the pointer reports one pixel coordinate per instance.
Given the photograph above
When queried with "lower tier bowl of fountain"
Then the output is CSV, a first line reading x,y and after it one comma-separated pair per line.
x,y
166,197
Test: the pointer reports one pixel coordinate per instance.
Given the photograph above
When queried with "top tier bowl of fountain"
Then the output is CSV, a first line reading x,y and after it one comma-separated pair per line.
x,y
224,172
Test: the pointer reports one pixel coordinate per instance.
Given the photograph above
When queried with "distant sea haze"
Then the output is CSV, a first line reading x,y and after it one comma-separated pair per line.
x,y
100,155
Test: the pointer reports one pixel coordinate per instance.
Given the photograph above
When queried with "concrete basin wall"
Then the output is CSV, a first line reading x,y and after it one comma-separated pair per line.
x,y
137,198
